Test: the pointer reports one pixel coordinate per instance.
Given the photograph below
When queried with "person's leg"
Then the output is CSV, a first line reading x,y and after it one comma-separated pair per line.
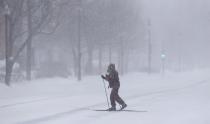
x,y
117,97
112,98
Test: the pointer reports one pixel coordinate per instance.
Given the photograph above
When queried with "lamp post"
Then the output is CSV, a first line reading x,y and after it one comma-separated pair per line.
x,y
149,46
163,56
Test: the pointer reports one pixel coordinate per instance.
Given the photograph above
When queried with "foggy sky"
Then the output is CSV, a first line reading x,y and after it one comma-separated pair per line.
x,y
182,26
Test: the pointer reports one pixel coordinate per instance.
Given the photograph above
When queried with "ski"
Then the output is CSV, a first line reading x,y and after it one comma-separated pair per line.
x,y
124,110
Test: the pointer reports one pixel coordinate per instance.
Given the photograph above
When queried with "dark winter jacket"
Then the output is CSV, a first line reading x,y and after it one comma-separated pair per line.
x,y
113,79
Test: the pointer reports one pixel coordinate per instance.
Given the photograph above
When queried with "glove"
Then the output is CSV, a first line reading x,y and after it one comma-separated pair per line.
x,y
103,77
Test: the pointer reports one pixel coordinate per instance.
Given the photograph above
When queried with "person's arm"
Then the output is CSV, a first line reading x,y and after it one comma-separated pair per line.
x,y
103,77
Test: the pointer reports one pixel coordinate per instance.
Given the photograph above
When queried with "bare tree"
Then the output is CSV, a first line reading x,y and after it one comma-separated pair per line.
x,y
38,15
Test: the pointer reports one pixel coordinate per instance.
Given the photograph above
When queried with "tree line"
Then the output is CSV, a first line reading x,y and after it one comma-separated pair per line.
x,y
84,33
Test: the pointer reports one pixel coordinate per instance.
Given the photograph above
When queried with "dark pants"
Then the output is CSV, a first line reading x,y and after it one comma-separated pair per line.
x,y
114,96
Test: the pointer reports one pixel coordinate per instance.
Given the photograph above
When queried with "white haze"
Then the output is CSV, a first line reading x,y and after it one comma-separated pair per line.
x,y
182,27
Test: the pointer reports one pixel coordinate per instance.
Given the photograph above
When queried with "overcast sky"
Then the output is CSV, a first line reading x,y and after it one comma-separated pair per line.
x,y
179,24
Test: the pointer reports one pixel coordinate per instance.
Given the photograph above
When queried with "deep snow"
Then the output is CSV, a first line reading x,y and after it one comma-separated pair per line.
x,y
175,98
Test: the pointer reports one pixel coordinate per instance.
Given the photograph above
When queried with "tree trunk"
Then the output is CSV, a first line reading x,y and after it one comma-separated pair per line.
x,y
79,45
110,53
79,66
126,61
100,60
74,61
9,66
28,61
29,43
121,58
89,66
8,51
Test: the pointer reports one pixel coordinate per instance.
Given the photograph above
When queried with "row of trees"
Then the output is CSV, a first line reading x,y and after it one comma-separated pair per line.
x,y
106,27
87,27
25,19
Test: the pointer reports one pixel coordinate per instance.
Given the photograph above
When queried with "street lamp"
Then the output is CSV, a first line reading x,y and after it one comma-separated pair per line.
x,y
163,56
149,46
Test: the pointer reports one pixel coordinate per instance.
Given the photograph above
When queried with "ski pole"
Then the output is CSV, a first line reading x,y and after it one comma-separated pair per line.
x,y
106,93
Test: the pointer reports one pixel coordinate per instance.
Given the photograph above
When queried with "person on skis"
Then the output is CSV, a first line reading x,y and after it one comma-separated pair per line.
x,y
114,83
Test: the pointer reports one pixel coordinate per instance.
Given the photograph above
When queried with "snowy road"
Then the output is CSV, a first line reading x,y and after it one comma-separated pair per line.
x,y
175,99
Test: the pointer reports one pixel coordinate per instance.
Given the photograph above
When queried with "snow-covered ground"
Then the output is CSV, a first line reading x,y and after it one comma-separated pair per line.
x,y
176,98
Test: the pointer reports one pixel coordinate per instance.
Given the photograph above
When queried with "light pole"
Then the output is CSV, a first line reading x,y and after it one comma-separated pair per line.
x,y
149,47
163,56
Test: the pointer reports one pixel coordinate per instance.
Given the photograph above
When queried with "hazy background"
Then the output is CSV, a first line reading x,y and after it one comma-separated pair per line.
x,y
182,26
50,38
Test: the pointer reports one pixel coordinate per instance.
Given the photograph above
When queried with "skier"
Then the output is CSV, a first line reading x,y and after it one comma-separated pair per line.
x,y
114,83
